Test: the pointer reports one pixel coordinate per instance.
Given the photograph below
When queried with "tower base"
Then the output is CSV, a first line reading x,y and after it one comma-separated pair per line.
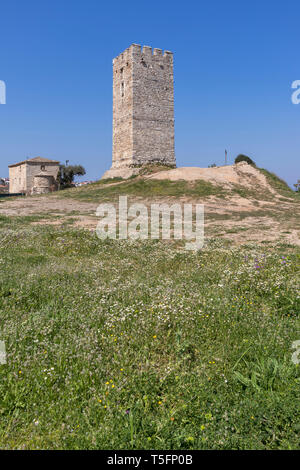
x,y
124,172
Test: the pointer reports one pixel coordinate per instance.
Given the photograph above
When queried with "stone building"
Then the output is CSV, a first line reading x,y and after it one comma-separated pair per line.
x,y
143,109
22,175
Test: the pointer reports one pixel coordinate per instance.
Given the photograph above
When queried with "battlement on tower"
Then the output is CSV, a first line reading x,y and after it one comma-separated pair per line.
x,y
137,50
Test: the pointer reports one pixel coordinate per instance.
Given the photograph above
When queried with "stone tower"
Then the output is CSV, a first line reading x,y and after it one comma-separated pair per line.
x,y
143,109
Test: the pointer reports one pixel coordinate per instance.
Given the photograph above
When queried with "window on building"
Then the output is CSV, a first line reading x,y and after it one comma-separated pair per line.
x,y
122,89
42,167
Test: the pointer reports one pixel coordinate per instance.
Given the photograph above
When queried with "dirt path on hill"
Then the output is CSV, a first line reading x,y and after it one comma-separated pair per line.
x,y
34,205
240,174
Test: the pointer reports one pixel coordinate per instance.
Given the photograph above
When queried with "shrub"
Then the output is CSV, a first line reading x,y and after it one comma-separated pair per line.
x,y
67,174
244,158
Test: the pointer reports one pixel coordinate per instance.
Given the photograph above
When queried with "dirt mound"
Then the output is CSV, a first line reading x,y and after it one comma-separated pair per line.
x,y
240,174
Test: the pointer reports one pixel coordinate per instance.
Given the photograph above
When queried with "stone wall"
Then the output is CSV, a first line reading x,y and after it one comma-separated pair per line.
x,y
122,109
43,183
34,169
17,179
143,107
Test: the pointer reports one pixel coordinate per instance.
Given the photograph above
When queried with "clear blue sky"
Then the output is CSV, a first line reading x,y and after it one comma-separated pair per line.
x,y
234,63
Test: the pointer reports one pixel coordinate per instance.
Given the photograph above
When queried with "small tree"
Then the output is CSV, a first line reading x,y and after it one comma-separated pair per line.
x,y
67,174
244,158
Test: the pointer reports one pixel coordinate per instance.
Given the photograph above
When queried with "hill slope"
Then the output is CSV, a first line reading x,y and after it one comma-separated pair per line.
x,y
226,176
242,203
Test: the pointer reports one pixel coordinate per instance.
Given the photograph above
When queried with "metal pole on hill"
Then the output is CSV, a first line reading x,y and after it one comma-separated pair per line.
x,y
225,157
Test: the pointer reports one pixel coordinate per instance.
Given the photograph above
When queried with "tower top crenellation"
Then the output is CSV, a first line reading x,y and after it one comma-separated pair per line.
x,y
145,51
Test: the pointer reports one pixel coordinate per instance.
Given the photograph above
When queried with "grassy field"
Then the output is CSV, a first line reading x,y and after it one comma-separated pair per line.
x,y
142,345
142,188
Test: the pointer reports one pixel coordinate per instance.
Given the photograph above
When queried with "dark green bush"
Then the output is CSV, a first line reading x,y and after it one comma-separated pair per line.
x,y
244,158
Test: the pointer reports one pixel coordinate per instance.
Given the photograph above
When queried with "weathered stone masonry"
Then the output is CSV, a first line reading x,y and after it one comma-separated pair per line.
x,y
143,107
24,175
